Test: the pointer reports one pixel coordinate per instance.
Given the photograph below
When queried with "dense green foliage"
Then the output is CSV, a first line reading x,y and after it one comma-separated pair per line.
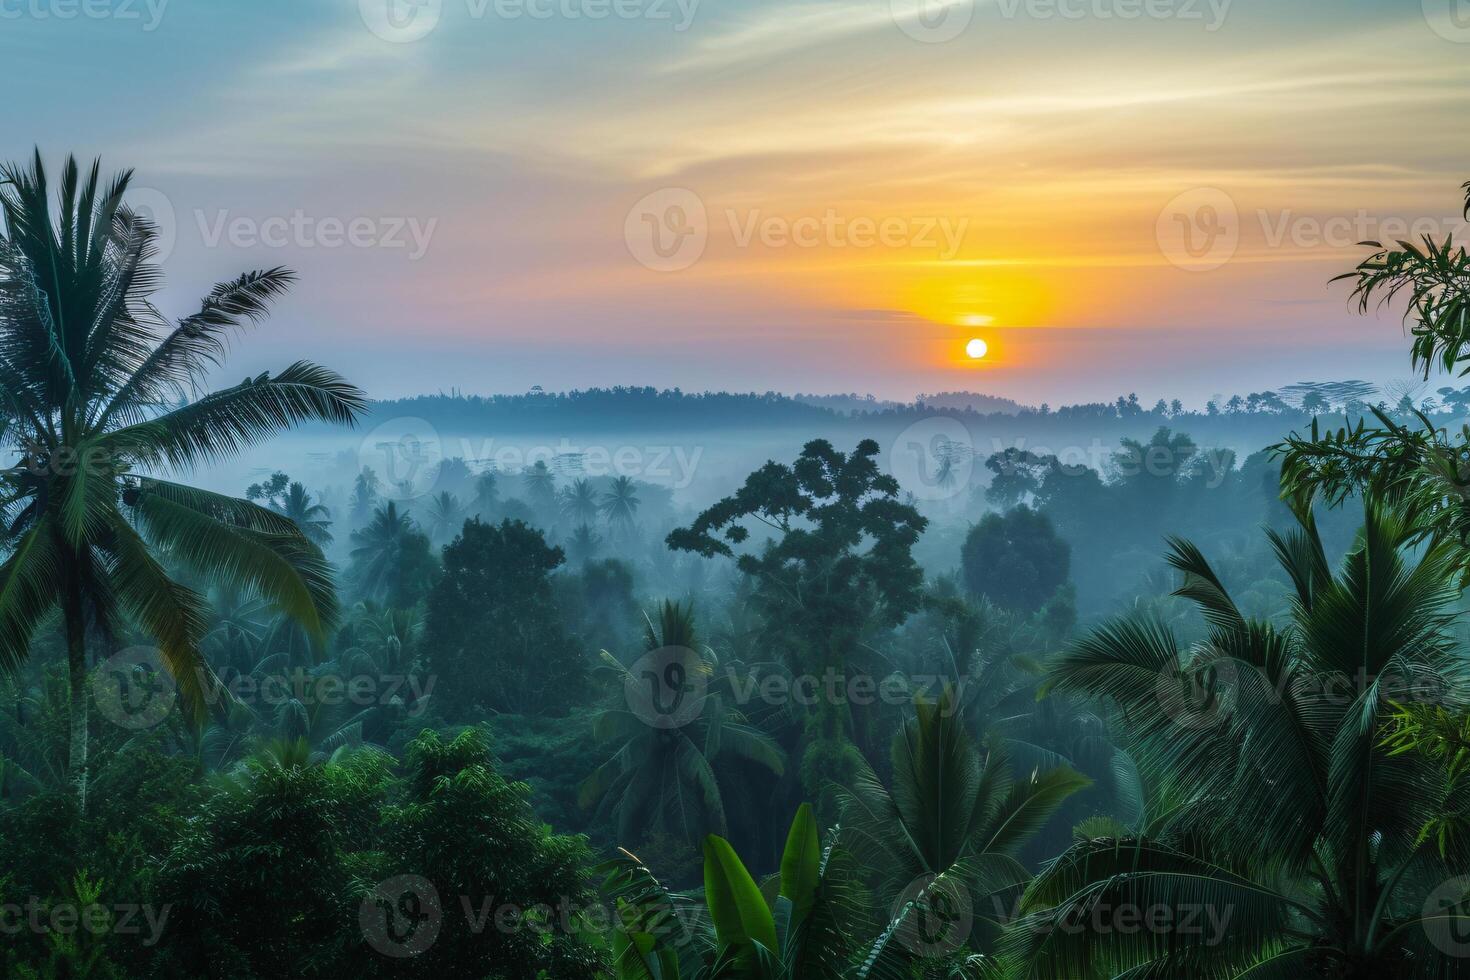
x,y
1015,559
535,722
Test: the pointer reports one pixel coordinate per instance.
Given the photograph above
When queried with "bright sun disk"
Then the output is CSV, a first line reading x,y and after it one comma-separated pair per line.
x,y
976,348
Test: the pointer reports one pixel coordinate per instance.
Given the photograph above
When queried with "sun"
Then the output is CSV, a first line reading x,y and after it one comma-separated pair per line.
x,y
976,349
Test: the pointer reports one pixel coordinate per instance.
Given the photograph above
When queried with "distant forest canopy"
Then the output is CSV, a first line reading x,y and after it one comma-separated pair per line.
x,y
625,407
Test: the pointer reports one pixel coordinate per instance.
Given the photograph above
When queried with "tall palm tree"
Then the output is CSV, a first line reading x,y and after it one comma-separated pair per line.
x,y
583,544
446,514
949,831
487,493
620,503
1274,795
87,369
378,549
314,520
365,492
669,778
579,502
540,483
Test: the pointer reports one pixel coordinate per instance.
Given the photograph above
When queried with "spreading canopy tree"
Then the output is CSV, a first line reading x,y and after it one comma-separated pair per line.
x,y
840,560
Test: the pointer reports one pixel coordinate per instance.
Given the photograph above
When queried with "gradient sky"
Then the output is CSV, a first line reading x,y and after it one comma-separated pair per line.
x,y
1066,146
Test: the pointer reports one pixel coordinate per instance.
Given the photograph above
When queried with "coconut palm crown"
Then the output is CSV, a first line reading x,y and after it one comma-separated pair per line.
x,y
99,403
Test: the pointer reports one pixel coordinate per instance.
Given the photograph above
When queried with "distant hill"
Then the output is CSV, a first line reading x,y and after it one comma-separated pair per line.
x,y
849,404
622,407
969,401
637,407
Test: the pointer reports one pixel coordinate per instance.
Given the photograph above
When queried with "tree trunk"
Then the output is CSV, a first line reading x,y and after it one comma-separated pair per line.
x,y
76,663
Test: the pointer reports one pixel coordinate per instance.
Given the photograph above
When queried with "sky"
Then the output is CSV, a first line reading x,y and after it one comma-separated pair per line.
x,y
811,195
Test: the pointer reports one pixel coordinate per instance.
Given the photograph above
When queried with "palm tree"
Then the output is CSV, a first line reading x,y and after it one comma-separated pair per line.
x,y
391,635
365,492
583,544
487,494
620,503
949,831
579,502
445,516
540,484
1273,793
1409,461
86,368
313,519
239,627
668,778
378,549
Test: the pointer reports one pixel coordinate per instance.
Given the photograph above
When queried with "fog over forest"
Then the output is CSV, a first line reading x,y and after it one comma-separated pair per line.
x,y
734,490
